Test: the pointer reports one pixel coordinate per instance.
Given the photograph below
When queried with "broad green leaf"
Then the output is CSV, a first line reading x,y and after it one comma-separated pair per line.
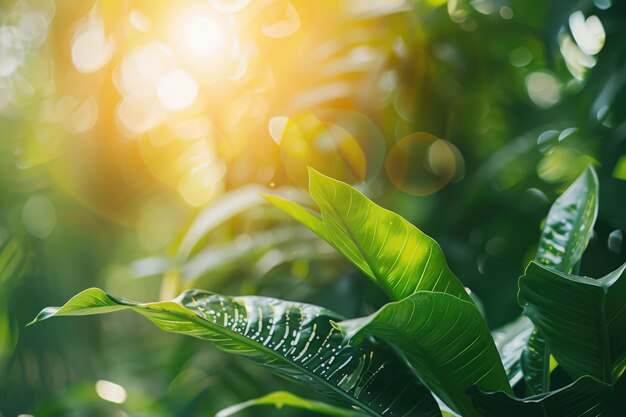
x,y
565,236
585,397
582,319
294,339
444,338
510,341
280,399
391,251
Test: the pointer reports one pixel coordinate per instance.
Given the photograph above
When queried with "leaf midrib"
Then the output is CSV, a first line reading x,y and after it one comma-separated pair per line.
x,y
257,346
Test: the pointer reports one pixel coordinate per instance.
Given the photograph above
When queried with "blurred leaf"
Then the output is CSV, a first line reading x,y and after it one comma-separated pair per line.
x,y
12,259
619,171
294,339
235,253
216,213
582,319
444,338
281,399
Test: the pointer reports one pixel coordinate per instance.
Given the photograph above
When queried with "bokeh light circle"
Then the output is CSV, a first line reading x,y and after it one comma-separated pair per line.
x,y
421,164
11,51
327,147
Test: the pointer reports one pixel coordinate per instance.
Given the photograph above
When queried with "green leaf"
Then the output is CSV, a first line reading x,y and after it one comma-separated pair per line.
x,y
294,339
569,224
565,236
511,341
301,214
445,339
391,251
280,399
582,319
585,397
12,259
535,363
216,213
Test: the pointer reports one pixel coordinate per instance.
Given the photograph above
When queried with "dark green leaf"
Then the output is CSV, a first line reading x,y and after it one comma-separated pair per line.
x,y
445,339
511,341
535,362
585,397
563,240
294,339
582,319
569,224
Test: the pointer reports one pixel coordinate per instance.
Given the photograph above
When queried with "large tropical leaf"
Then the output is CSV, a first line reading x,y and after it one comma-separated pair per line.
x,y
585,397
582,319
281,399
294,339
563,240
391,251
445,339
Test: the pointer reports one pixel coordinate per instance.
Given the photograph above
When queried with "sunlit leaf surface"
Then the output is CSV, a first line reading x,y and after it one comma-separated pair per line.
x,y
445,339
387,248
297,340
285,399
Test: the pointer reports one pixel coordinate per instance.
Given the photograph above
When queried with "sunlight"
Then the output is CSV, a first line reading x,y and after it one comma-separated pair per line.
x,y
198,34
177,90
201,35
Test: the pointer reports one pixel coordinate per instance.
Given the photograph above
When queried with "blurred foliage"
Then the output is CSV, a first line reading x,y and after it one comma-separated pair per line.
x,y
135,137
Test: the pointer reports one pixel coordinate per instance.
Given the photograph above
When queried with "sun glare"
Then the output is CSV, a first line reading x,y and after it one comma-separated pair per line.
x,y
201,35
177,90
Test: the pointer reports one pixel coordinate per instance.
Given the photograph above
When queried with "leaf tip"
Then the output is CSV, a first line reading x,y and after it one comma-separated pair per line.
x,y
43,315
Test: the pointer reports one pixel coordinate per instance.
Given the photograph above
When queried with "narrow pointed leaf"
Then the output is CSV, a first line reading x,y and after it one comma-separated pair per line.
x,y
294,339
585,397
563,240
582,319
280,399
391,251
445,339
301,214
569,224
535,363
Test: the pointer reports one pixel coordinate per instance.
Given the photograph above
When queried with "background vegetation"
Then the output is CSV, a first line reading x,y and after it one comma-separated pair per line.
x,y
134,144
